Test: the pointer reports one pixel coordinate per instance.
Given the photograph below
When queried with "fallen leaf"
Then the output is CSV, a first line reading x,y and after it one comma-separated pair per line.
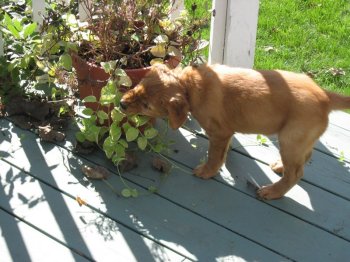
x,y
336,71
85,147
130,162
269,49
97,172
22,121
80,201
48,134
161,165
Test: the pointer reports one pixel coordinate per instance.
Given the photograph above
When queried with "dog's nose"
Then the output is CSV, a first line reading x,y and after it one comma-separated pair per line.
x,y
123,104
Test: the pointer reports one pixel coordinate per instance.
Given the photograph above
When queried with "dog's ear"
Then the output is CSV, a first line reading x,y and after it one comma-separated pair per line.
x,y
178,109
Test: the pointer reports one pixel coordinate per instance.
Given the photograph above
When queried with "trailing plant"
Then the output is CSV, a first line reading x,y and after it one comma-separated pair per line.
x,y
115,136
32,53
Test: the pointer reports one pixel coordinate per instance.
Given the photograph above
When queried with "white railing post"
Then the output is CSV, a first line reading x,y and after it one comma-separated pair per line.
x,y
237,42
82,10
217,32
177,7
38,7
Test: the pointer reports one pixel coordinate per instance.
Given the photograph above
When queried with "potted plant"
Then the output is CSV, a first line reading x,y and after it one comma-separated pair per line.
x,y
111,51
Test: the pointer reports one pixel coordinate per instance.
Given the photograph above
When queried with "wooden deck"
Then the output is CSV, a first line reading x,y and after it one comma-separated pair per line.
x,y
188,219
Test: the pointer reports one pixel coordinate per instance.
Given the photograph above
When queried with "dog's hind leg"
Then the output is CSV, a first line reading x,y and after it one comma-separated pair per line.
x,y
295,147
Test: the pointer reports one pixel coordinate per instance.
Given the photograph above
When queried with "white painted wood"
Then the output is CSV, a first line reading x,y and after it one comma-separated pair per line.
x,y
21,242
241,26
217,32
38,7
233,32
82,10
1,45
79,227
178,6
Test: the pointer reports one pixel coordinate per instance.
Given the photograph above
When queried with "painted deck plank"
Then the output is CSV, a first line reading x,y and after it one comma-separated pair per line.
x,y
340,119
81,228
256,220
324,171
160,218
335,141
256,214
21,242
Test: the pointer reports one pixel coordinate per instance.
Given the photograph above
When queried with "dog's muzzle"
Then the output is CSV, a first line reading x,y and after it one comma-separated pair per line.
x,y
123,104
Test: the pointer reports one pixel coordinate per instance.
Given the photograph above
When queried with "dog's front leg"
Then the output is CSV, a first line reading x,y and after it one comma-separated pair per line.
x,y
216,157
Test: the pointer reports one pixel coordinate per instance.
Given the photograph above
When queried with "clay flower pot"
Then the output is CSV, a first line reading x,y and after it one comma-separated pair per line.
x,y
92,78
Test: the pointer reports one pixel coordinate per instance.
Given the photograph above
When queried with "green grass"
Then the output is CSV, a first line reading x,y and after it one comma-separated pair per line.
x,y
306,36
310,36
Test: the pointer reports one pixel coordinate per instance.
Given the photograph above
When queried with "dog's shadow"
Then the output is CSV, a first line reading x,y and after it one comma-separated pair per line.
x,y
247,169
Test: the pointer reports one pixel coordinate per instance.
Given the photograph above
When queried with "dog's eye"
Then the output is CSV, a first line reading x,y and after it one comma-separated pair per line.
x,y
145,105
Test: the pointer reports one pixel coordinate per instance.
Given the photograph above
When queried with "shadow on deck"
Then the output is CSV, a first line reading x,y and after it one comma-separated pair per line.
x,y
188,219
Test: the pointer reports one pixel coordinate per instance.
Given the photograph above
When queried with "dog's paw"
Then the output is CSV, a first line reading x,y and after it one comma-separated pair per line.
x,y
269,192
277,167
203,171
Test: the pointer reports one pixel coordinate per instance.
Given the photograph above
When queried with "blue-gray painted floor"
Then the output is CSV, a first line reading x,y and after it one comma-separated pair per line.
x,y
188,219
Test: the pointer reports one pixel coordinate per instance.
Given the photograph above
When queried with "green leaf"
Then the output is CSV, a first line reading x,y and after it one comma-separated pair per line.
x,y
123,143
142,142
120,72
115,132
29,29
158,148
66,61
156,61
14,31
108,147
88,111
109,66
134,193
108,93
125,81
7,20
126,126
135,37
116,159
120,150
158,51
117,115
42,79
132,134
80,137
161,39
126,192
173,51
151,133
139,120
152,189
102,115
17,24
89,99
92,132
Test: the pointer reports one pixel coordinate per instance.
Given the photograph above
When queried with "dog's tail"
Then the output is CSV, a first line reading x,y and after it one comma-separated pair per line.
x,y
338,102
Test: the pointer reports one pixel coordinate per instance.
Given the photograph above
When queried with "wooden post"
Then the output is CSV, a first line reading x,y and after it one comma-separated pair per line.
x,y
177,7
217,32
82,10
38,7
233,32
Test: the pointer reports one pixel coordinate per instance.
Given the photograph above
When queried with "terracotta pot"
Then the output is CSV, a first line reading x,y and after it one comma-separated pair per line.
x,y
92,78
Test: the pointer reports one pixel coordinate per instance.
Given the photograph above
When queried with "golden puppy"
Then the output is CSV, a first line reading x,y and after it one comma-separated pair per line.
x,y
225,100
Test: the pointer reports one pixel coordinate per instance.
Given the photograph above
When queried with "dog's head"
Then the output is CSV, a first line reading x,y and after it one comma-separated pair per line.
x,y
159,94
